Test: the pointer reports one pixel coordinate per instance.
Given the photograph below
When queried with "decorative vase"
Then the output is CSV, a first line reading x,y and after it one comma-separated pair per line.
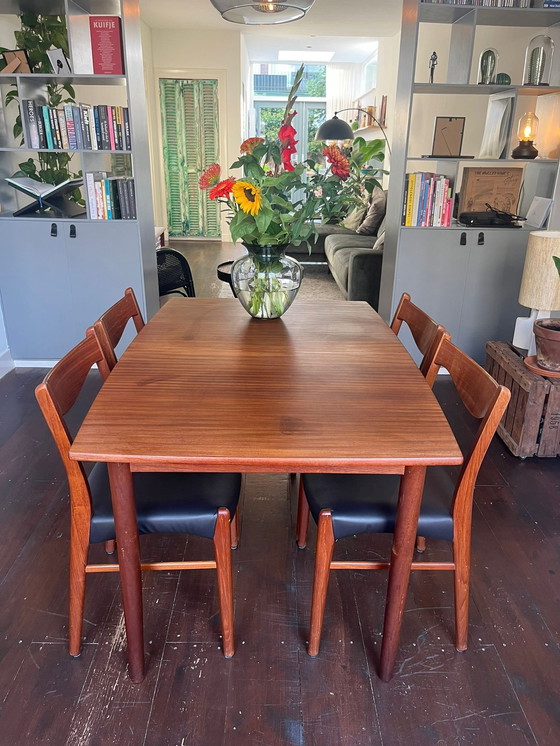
x,y
547,341
487,66
538,61
266,281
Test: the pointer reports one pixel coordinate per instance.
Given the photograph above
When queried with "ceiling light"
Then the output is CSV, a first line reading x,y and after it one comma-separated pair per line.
x,y
303,56
262,14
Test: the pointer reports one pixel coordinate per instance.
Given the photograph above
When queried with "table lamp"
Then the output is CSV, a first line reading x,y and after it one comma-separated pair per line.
x,y
540,286
526,132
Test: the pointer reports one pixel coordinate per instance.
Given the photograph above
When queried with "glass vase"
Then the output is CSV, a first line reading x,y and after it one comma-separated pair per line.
x,y
266,281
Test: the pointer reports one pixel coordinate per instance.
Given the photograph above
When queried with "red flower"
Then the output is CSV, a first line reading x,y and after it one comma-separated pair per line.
x,y
248,145
223,189
287,137
210,177
340,165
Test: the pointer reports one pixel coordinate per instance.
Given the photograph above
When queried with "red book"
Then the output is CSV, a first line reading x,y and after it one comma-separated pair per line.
x,y
106,45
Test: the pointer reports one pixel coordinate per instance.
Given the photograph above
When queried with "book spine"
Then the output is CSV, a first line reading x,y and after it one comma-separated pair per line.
x,y
99,199
62,128
56,136
115,201
417,186
29,110
405,199
92,133
72,142
104,127
97,127
47,125
110,129
107,198
120,138
410,199
90,191
123,199
77,126
41,127
84,119
132,197
126,129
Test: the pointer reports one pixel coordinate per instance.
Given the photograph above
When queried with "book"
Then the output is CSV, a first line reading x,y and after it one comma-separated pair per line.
x,y
104,127
46,195
110,129
72,141
29,111
86,132
126,129
63,129
90,193
47,124
497,187
106,45
77,126
97,127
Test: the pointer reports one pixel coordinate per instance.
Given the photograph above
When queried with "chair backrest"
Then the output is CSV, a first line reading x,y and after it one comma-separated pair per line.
x,y
110,327
427,334
56,396
174,273
486,400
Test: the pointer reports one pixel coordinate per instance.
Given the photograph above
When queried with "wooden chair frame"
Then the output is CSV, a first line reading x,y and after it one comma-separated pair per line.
x,y
56,396
486,400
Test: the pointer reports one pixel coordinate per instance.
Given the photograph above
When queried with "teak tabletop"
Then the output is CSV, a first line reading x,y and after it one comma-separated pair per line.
x,y
326,388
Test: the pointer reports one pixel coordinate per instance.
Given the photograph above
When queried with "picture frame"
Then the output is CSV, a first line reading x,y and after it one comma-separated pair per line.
x,y
16,61
448,137
59,63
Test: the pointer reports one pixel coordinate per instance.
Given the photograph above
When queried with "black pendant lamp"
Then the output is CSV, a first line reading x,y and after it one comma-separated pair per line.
x,y
262,14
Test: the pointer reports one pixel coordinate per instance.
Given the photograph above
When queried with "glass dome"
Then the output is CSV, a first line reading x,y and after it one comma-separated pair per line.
x,y
538,61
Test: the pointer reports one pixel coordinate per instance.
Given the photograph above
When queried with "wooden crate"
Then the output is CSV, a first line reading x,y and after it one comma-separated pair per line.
x,y
531,423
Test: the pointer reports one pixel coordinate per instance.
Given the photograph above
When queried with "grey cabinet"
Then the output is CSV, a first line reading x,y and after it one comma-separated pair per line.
x,y
53,286
59,276
471,287
466,279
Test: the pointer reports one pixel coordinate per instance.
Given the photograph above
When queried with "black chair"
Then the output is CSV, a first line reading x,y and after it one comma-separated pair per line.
x,y
174,273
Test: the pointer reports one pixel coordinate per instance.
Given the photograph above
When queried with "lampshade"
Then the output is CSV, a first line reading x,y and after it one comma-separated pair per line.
x,y
528,127
540,284
335,129
262,14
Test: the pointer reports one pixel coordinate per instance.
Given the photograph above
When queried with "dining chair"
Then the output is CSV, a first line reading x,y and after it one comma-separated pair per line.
x,y
109,329
428,336
110,326
188,503
347,504
174,273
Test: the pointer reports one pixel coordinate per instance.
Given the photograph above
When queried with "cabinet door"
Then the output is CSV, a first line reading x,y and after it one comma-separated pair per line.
x,y
469,287
103,260
432,267
35,288
493,282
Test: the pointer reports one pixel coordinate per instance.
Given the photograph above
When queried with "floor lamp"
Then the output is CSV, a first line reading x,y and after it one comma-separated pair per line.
x,y
540,286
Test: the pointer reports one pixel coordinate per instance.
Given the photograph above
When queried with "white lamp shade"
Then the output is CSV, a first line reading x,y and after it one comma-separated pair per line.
x,y
262,13
540,284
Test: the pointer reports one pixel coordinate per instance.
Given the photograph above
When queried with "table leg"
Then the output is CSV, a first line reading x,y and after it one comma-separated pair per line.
x,y
410,498
126,528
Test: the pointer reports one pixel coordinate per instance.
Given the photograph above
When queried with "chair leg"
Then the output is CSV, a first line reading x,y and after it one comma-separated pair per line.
x,y
234,530
302,517
461,556
222,551
420,544
323,557
110,546
77,589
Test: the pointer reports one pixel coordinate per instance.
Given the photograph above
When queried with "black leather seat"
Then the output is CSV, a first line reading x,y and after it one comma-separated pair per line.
x,y
174,273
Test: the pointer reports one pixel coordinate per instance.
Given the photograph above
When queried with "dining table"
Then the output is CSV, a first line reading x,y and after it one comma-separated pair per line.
x,y
203,387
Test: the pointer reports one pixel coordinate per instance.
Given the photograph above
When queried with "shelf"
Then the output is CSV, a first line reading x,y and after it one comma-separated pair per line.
x,y
79,79
474,89
536,17
460,159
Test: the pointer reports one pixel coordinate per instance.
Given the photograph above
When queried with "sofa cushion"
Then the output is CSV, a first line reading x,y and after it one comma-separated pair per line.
x,y
354,218
375,213
339,249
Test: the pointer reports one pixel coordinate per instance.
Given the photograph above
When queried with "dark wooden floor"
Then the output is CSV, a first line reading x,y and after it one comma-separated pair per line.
x,y
505,690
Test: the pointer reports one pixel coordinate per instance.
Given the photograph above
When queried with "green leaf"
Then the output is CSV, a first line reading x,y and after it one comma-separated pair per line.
x,y
556,260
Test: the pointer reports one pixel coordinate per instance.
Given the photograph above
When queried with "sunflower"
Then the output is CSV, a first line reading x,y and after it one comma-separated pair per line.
x,y
223,189
247,196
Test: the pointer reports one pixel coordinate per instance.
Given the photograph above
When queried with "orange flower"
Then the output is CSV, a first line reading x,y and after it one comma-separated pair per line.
x,y
339,162
223,189
248,145
210,177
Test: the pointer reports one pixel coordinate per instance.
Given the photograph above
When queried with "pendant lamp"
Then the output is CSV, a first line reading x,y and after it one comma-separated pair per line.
x,y
262,14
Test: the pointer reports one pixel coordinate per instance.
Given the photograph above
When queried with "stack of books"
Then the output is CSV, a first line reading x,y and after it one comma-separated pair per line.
x,y
76,126
427,200
110,197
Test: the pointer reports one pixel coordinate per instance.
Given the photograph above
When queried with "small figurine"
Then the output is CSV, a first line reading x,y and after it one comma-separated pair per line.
x,y
433,63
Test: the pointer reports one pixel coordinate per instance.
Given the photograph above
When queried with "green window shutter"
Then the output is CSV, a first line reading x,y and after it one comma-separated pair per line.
x,y
189,110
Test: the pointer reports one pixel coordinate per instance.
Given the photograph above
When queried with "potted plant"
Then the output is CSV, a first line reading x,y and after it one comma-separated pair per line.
x,y
547,338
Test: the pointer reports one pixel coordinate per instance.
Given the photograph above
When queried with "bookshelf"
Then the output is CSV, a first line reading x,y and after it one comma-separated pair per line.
x,y
467,278
60,273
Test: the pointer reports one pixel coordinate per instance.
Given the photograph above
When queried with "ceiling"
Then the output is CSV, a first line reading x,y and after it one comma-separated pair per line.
x,y
330,25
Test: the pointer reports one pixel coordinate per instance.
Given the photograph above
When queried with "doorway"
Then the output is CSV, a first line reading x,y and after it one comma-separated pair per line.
x,y
190,138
